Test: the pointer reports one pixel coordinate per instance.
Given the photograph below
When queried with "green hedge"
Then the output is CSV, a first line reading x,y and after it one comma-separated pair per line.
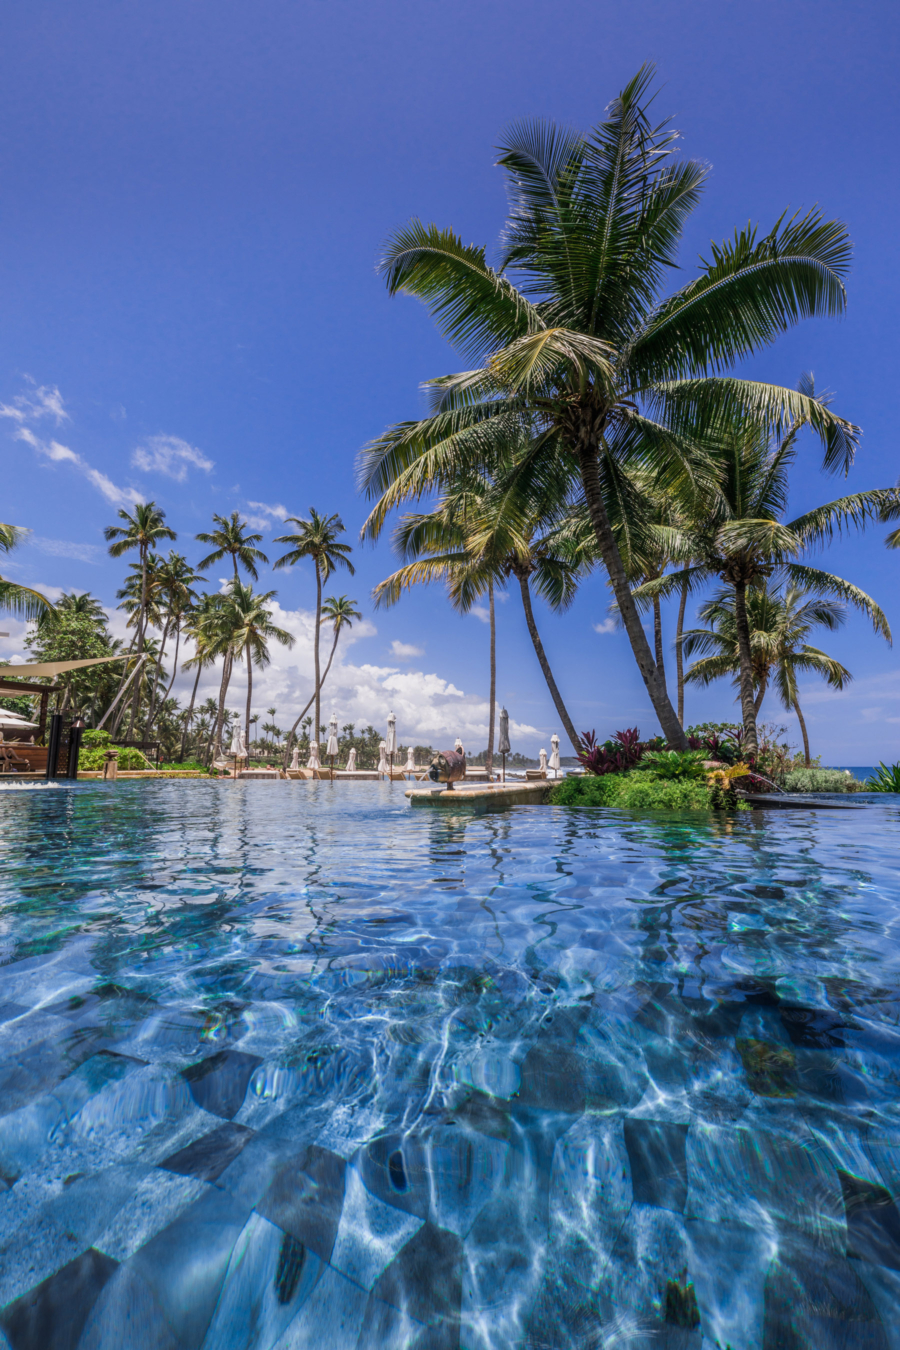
x,y
638,791
822,780
129,758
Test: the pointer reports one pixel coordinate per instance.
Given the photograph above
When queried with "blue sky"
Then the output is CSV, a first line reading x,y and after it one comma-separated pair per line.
x,y
192,200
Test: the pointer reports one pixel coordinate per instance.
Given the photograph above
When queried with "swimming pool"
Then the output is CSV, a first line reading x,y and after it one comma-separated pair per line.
x,y
288,1065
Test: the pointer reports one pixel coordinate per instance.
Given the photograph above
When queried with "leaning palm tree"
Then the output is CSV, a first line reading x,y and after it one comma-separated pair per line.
x,y
780,622
143,530
316,538
176,580
230,537
587,349
20,601
341,612
252,629
740,538
484,534
196,628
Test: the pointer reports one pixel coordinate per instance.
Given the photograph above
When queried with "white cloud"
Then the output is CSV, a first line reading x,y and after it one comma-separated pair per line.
x,y
277,512
33,406
481,612
429,708
171,456
63,548
267,517
404,651
607,626
41,401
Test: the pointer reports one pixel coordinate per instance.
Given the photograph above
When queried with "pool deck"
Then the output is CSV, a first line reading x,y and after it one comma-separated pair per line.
x,y
497,794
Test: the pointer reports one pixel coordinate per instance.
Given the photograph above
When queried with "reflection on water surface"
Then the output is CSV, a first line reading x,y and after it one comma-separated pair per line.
x,y
291,1065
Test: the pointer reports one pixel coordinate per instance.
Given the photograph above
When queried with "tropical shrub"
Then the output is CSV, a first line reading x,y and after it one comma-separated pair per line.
x,y
623,752
640,792
94,757
885,779
824,780
674,763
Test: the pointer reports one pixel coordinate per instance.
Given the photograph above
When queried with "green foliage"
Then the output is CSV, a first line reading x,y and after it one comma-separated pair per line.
x,y
73,635
92,738
885,779
20,704
129,758
823,780
674,764
637,791
183,766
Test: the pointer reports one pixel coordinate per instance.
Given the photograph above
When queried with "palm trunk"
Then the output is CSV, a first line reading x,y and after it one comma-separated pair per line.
x,y
742,624
249,700
760,694
190,712
293,731
226,676
318,627
174,661
489,758
679,654
154,696
657,639
142,622
655,685
545,666
803,733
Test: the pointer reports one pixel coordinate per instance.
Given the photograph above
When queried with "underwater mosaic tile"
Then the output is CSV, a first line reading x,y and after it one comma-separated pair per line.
x,y
298,1067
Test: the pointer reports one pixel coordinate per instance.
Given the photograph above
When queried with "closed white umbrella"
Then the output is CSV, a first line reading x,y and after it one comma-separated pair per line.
x,y
313,761
410,761
390,742
332,747
504,746
351,761
458,747
295,757
383,766
543,762
554,753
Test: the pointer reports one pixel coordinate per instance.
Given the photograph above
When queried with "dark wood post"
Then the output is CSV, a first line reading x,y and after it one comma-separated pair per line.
x,y
42,720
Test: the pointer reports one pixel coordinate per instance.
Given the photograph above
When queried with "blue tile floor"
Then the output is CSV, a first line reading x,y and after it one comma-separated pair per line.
x,y
286,1066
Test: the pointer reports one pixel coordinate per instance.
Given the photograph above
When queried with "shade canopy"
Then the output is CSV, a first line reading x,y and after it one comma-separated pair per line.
x,y
51,668
504,747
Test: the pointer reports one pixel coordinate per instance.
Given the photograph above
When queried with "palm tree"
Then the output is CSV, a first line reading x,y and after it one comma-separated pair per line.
x,y
142,530
196,628
72,603
316,538
341,613
483,533
176,580
251,627
587,350
230,537
20,601
780,622
270,725
739,538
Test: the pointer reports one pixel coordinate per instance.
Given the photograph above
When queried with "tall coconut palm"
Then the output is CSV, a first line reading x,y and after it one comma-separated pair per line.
x,y
341,613
143,530
252,629
316,538
196,628
20,601
176,580
740,538
483,533
231,538
587,348
780,622
72,602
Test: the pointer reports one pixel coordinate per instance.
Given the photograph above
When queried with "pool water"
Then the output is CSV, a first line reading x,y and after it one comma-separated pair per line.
x,y
295,1065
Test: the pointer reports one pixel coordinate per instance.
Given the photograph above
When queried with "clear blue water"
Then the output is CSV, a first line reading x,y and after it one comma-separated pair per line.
x,y
290,1065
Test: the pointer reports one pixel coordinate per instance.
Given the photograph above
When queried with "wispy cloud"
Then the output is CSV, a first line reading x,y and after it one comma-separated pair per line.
x,y
607,626
405,651
481,612
52,450
171,456
45,401
36,403
267,515
63,548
